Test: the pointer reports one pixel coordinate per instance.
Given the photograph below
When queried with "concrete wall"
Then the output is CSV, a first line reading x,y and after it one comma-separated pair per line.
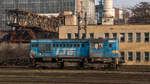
x,y
126,47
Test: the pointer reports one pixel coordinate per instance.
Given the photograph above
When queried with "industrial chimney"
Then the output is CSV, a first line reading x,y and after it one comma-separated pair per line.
x,y
108,13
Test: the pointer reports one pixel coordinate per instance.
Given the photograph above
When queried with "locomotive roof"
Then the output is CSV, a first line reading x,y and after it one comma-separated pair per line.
x,y
61,40
71,40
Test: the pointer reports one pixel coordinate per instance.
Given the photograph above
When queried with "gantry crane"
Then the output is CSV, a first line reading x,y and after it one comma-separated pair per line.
x,y
26,26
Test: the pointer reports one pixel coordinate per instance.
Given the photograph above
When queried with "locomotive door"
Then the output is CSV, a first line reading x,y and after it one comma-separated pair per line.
x,y
84,50
111,48
107,50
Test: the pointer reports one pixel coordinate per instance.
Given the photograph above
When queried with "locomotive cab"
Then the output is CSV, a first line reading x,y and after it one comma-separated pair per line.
x,y
104,49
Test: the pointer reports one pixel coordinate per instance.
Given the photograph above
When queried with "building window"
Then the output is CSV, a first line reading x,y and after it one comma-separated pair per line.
x,y
146,56
106,35
146,37
114,35
130,56
122,37
83,36
138,37
69,35
76,35
130,37
122,56
91,35
138,56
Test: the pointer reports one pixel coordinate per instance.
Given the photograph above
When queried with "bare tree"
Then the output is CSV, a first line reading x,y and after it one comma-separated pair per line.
x,y
140,14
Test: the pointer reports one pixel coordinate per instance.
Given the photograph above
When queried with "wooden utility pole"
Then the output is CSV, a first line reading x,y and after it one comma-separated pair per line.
x,y
79,24
85,25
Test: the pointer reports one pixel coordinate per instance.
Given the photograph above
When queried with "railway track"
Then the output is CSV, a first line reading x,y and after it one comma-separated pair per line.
x,y
121,69
26,76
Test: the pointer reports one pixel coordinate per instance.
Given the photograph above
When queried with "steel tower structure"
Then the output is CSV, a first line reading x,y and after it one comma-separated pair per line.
x,y
100,12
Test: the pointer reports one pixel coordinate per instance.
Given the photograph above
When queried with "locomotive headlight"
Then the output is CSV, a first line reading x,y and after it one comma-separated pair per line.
x,y
31,56
40,54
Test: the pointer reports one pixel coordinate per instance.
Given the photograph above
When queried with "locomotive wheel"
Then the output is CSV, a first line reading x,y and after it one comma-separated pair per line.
x,y
81,65
61,65
32,63
116,66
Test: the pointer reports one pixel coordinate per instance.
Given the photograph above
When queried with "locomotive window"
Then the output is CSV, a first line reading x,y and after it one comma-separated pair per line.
x,y
96,46
64,45
54,45
74,45
60,45
47,47
83,45
110,45
67,45
78,45
92,45
41,47
70,45
100,46
34,45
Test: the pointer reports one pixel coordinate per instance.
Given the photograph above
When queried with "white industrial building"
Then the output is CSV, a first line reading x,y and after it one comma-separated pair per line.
x,y
88,6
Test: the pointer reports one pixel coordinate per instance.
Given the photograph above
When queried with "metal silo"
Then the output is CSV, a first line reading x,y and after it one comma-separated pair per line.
x,y
108,8
108,13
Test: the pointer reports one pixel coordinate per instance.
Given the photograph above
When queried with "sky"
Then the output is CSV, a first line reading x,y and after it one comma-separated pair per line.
x,y
125,3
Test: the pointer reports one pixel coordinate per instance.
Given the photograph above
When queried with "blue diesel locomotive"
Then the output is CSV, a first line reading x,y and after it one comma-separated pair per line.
x,y
84,52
